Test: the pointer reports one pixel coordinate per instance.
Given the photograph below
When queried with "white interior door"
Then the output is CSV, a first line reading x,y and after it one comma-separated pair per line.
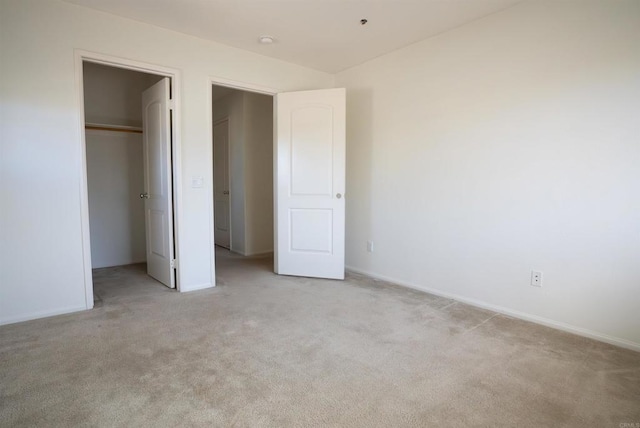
x,y
310,183
156,139
221,183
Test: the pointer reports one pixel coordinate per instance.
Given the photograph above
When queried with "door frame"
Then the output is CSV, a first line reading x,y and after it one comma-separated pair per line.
x,y
81,56
217,122
247,87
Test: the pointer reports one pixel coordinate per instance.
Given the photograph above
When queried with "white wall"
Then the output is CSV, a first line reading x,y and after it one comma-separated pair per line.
x,y
251,168
258,154
41,259
506,145
116,213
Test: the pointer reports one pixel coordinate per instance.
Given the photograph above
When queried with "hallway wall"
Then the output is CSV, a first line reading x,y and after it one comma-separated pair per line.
x,y
251,169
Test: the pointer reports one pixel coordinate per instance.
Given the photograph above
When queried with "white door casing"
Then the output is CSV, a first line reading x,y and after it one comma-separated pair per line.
x,y
310,183
221,183
157,193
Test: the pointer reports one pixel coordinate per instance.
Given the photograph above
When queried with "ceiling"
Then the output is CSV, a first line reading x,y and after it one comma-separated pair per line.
x,y
324,35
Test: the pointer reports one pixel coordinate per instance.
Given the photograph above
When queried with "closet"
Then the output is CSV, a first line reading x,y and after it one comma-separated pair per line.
x,y
114,155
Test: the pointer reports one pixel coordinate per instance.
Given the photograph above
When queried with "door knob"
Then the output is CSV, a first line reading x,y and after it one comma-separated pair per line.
x,y
339,195
144,196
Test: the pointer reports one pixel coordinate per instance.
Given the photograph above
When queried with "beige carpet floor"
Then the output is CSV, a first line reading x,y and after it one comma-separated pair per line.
x,y
266,351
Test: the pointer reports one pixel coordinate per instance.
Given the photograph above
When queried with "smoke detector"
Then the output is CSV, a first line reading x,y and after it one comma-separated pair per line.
x,y
266,40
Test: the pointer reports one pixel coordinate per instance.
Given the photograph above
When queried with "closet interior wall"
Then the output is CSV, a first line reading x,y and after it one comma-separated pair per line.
x,y
113,114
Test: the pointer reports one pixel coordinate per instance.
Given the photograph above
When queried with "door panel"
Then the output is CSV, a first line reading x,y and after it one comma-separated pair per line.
x,y
156,221
310,183
311,230
156,139
311,151
221,196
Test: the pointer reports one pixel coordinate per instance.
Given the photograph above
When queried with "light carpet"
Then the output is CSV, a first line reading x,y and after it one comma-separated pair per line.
x,y
261,350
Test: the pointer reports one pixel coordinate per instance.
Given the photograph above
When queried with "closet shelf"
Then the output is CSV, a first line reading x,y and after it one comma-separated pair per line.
x,y
117,128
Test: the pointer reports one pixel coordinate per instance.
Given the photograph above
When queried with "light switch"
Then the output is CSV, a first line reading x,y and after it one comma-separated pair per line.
x,y
197,182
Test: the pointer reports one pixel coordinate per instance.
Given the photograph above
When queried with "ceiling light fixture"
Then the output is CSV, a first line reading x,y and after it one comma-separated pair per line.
x,y
266,40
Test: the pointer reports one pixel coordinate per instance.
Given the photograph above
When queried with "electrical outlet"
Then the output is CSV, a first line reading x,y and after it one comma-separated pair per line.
x,y
536,278
370,246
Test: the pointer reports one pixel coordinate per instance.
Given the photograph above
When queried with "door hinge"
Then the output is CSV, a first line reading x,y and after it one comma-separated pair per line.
x,y
172,104
174,264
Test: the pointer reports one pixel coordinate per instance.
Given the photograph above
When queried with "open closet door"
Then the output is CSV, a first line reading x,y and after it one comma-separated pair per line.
x,y
310,183
157,182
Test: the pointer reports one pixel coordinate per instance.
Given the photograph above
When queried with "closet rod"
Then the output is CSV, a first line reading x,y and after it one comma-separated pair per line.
x,y
117,128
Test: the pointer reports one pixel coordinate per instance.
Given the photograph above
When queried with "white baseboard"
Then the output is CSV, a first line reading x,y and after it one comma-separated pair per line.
x,y
196,287
259,253
42,314
253,254
127,263
623,343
